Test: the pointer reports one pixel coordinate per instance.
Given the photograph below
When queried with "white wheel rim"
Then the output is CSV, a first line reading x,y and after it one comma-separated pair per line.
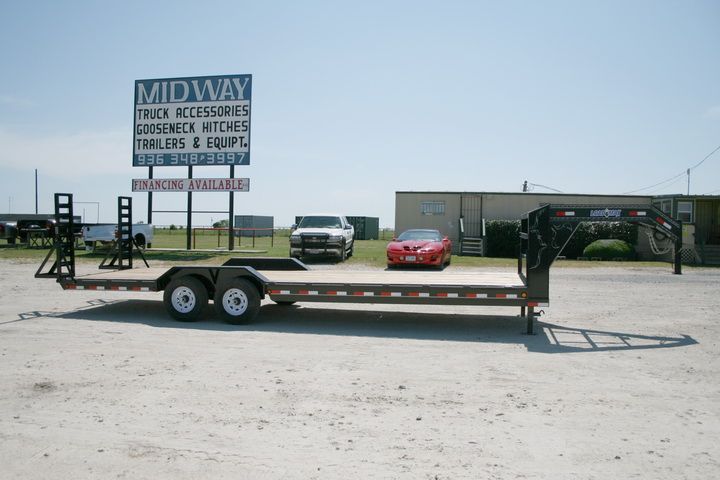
x,y
183,299
235,302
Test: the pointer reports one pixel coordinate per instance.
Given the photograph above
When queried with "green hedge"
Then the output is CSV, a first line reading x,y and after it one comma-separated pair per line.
x,y
587,233
502,237
610,250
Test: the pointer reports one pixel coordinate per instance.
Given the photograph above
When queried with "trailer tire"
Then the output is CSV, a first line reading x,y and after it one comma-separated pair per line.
x,y
237,301
185,298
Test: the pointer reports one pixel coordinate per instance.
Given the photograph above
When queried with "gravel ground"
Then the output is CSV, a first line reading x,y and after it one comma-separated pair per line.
x,y
621,381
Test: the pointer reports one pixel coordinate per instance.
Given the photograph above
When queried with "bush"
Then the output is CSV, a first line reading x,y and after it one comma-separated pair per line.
x,y
502,238
609,250
587,233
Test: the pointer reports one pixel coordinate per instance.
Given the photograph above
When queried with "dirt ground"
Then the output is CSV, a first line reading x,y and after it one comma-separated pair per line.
x,y
621,381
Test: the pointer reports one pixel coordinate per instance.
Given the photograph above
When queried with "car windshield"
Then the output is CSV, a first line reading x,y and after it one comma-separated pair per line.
x,y
429,235
320,222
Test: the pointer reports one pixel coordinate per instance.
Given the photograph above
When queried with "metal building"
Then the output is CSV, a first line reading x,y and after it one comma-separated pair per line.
x,y
254,225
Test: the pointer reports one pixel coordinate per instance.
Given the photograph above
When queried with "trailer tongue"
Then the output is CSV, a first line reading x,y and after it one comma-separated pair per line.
x,y
238,285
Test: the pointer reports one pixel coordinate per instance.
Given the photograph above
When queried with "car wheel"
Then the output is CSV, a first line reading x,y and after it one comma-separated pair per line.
x,y
352,249
185,298
237,301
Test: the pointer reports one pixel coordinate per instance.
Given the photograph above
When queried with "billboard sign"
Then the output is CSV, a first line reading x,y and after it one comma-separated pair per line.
x,y
191,185
192,121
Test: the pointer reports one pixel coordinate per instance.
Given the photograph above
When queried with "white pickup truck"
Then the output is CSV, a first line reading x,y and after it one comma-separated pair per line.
x,y
107,232
322,234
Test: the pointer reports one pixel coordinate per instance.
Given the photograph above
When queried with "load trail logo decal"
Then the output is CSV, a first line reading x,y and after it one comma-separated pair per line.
x,y
606,212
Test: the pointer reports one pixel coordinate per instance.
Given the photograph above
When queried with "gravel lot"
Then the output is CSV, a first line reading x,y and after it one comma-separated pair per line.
x,y
621,381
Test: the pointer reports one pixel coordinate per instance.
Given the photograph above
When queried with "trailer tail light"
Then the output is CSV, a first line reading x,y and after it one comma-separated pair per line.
x,y
663,223
565,213
637,213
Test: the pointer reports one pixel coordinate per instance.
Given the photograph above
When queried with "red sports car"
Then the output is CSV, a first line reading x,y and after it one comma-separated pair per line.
x,y
419,247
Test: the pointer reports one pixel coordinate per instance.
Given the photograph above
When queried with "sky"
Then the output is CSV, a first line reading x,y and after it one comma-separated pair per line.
x,y
353,101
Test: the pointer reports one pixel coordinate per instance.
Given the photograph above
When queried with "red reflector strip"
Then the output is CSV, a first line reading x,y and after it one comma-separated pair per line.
x,y
636,213
663,223
537,304
564,214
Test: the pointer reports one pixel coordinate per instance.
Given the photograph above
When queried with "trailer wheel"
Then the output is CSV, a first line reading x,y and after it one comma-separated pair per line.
x,y
185,298
237,301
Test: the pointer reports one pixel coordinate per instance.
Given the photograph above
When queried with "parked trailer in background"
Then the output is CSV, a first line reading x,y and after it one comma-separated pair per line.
x,y
238,286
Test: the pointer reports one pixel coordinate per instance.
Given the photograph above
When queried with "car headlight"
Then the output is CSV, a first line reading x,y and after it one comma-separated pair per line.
x,y
295,239
335,238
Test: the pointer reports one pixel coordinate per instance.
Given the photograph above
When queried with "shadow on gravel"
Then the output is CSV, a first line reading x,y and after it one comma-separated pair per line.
x,y
383,324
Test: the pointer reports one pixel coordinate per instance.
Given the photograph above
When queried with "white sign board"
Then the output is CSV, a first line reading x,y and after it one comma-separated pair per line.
x,y
192,121
191,185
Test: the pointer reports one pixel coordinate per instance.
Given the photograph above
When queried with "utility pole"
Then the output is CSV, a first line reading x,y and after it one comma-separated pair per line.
x,y
688,174
36,193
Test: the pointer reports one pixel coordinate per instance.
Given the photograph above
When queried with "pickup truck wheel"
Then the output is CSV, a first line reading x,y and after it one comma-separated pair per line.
x,y
343,252
352,249
237,301
185,298
140,240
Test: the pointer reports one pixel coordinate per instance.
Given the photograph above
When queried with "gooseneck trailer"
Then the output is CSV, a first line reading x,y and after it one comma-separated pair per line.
x,y
238,286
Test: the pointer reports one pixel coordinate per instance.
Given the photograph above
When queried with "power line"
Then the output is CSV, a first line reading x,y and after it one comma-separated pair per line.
x,y
530,184
684,172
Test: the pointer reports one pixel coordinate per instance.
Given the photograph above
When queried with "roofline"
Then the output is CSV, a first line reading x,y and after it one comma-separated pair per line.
x,y
527,193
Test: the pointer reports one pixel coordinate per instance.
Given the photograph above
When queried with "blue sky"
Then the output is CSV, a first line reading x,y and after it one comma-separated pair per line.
x,y
354,101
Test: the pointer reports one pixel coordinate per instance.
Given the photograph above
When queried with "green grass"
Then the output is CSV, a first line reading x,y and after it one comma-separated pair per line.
x,y
367,252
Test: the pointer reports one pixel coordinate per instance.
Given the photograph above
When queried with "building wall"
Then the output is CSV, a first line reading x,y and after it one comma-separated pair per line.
x,y
409,215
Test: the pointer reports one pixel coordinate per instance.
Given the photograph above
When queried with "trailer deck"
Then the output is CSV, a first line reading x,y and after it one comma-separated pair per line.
x,y
328,285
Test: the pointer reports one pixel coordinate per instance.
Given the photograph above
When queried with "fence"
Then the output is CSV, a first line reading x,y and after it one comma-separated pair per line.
x,y
239,233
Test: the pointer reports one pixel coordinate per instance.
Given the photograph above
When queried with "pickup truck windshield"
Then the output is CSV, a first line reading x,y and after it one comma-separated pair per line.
x,y
320,222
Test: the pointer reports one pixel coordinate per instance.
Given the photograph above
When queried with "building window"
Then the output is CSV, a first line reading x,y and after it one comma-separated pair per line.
x,y
432,208
685,212
664,206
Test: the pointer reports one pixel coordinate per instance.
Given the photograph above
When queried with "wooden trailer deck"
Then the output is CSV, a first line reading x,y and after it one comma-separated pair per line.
x,y
277,278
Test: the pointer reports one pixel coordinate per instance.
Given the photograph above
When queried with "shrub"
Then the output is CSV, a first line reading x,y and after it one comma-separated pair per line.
x,y
587,233
502,238
609,249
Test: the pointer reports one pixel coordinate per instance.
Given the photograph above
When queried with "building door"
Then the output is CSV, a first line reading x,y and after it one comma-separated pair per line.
x,y
471,213
707,222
